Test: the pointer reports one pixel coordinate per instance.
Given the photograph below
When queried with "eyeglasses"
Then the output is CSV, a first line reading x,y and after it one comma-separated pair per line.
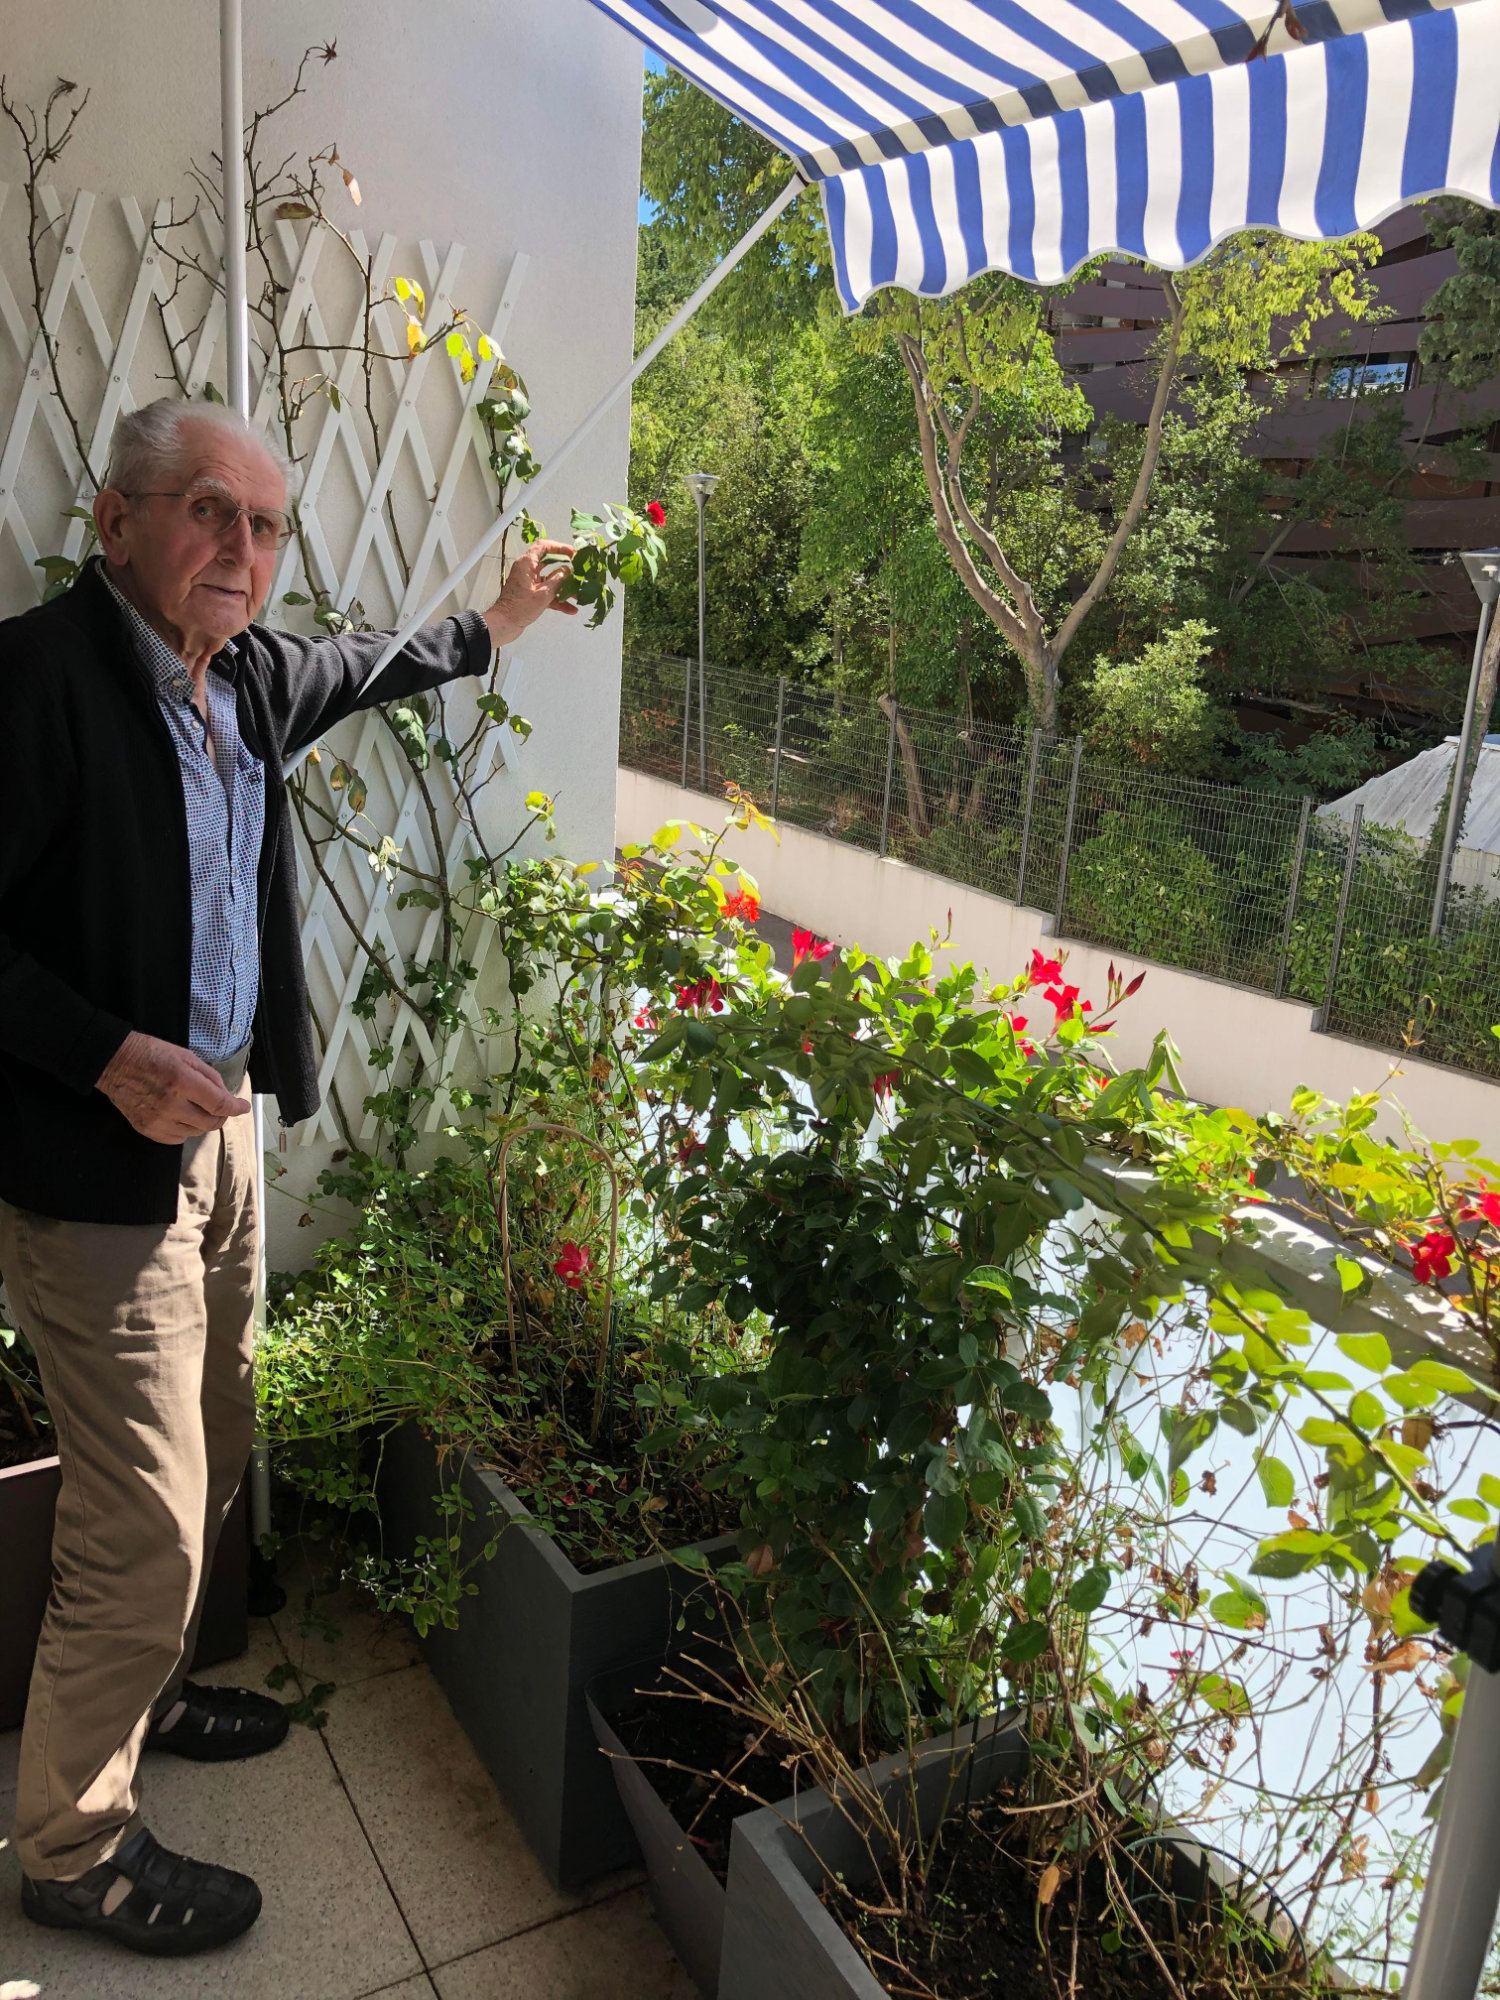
x,y
216,514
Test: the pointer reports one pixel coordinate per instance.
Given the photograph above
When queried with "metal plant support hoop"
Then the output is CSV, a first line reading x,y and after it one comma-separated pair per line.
x,y
500,1184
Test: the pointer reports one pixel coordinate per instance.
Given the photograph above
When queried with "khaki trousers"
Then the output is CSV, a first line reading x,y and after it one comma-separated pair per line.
x,y
143,1339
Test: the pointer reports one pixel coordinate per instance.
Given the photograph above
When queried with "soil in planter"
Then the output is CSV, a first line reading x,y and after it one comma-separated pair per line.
x,y
979,1937
589,1493
708,1761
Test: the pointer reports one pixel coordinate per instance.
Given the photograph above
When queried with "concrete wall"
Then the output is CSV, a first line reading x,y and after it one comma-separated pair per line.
x,y
1237,1047
503,125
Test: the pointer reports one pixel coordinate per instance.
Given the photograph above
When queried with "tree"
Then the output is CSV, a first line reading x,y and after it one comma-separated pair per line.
x,y
705,404
983,377
1461,336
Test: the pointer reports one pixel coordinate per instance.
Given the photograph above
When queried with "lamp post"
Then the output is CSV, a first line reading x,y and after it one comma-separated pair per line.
x,y
1483,566
700,485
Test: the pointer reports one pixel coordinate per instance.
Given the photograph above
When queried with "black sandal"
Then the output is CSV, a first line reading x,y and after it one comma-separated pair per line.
x,y
171,1908
214,1725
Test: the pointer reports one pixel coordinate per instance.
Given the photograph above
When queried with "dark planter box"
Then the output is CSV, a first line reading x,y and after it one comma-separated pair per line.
x,y
779,1941
526,1647
687,1896
28,1500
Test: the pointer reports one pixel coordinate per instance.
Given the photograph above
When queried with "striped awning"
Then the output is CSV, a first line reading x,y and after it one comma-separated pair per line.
x,y
958,136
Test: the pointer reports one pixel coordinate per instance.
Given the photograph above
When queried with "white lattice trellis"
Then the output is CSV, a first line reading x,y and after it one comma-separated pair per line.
x,y
378,523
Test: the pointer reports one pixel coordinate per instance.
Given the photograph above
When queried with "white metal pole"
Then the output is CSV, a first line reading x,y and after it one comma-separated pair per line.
x,y
232,156
237,396
570,444
1457,1919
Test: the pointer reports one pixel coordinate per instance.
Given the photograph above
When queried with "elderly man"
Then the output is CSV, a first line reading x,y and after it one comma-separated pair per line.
x,y
149,942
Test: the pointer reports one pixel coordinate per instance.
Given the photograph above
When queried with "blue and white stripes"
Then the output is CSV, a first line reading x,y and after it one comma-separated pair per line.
x,y
1316,143
957,136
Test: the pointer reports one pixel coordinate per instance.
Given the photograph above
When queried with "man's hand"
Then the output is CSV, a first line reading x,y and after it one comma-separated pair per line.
x,y
167,1093
527,593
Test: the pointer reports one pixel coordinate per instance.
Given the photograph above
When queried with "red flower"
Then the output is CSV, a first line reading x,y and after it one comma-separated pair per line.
x,y
690,1145
1064,999
805,945
886,1082
1017,1023
573,1265
703,993
1432,1258
742,904
1489,1206
1044,971
656,514
645,1019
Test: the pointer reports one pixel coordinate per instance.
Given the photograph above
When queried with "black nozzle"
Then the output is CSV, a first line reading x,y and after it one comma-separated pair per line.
x,y
1464,1604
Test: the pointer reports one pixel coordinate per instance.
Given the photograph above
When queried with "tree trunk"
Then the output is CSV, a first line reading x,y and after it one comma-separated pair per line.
x,y
916,798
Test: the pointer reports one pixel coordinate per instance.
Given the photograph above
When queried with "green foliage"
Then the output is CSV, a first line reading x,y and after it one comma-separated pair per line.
x,y
1153,710
1461,331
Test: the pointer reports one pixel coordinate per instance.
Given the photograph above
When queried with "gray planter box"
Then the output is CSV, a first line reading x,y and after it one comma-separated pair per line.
x,y
779,1941
526,1647
28,1501
686,1894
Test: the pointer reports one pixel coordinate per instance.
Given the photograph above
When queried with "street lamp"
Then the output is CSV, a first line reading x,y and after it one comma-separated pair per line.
x,y
1483,566
700,485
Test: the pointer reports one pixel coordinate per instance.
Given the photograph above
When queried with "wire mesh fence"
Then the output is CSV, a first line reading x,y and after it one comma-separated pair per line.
x,y
1247,886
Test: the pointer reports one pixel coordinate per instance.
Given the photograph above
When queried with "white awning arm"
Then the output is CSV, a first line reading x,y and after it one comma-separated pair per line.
x,y
570,444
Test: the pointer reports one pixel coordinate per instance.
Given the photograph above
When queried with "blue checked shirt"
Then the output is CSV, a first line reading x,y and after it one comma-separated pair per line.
x,y
223,789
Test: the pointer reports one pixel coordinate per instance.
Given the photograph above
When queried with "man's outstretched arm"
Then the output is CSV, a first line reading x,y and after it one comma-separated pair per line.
x,y
326,679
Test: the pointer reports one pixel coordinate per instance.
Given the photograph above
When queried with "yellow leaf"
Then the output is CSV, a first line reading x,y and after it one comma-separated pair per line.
x,y
416,340
1376,1598
315,755
487,348
1402,1659
1048,1886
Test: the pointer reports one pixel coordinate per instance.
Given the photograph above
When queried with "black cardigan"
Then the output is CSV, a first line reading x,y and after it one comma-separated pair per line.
x,y
95,915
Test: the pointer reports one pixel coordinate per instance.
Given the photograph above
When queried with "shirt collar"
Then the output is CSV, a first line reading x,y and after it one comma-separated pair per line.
x,y
168,670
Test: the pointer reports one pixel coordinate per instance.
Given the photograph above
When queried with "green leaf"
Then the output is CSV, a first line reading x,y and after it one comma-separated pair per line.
x,y
1277,1481
1025,1641
943,1518
1188,1434
1368,1350
1089,1592
1351,1277
1367,1411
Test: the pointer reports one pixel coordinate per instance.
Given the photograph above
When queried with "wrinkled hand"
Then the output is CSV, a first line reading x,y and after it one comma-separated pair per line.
x,y
168,1094
527,593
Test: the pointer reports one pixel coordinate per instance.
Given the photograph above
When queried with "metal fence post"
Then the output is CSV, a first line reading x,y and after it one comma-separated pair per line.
x,y
776,754
1324,1013
1036,751
687,714
1293,890
1067,842
890,768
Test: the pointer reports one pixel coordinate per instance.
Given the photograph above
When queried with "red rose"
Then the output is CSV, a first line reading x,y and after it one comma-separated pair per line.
x,y
656,514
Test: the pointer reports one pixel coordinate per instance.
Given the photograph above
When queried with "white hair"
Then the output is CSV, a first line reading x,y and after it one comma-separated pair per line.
x,y
150,444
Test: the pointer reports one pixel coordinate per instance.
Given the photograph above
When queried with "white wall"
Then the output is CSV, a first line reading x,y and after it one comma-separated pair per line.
x,y
504,125
1238,1048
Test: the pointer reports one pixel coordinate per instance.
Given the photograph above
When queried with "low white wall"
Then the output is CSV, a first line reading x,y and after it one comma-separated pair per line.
x,y
1238,1047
